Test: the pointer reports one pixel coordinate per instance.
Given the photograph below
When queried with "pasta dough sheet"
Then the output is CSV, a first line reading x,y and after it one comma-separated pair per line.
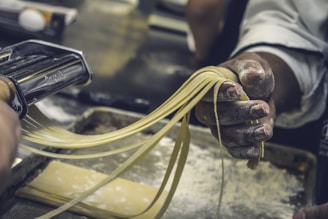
x,y
60,182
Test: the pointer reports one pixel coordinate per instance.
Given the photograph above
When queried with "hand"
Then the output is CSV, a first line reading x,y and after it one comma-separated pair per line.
x,y
315,212
238,136
9,139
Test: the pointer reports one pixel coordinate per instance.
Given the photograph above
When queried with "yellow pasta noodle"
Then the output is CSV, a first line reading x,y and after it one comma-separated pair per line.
x,y
38,129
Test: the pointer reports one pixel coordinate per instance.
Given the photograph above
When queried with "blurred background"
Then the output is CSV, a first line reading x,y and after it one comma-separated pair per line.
x,y
137,50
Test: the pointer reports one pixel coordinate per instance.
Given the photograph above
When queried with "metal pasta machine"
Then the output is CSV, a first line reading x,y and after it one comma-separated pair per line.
x,y
34,69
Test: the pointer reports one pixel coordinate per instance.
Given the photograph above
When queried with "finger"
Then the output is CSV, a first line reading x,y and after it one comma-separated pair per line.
x,y
9,139
256,78
315,212
243,135
249,152
255,74
236,136
12,132
229,91
231,113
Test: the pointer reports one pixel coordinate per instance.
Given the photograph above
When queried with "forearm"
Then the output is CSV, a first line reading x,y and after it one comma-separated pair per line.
x,y
205,18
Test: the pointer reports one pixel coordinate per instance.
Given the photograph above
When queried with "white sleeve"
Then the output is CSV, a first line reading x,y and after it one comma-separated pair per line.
x,y
289,30
298,24
312,76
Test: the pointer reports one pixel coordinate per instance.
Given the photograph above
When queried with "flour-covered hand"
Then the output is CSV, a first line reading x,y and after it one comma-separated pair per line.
x,y
239,136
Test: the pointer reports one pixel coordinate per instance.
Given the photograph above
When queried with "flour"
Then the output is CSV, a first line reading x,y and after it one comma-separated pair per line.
x,y
263,193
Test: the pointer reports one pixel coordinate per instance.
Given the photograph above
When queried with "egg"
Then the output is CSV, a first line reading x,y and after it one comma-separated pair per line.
x,y
32,20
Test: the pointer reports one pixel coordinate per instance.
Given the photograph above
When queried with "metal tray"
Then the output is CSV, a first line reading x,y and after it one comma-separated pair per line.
x,y
283,182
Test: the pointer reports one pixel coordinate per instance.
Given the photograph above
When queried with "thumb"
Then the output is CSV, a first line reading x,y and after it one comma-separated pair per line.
x,y
255,74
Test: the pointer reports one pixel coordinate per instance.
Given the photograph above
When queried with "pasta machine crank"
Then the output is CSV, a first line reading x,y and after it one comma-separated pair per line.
x,y
34,69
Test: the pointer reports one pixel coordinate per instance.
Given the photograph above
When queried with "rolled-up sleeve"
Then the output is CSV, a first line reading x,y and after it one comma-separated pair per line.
x,y
286,29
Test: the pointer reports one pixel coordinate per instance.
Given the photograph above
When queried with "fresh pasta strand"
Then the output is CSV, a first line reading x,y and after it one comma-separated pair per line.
x,y
39,130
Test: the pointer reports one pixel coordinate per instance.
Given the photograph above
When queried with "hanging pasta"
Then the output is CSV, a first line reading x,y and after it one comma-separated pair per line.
x,y
38,129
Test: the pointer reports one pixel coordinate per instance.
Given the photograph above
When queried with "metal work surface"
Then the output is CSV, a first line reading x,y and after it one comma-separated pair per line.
x,y
282,183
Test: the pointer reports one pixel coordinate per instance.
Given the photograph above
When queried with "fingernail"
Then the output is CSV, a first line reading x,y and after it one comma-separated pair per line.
x,y
233,91
250,70
261,134
253,152
259,110
299,215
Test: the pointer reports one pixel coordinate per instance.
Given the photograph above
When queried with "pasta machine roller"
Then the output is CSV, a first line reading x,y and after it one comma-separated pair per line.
x,y
34,69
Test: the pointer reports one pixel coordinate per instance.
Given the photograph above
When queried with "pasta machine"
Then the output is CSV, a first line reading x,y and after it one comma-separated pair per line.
x,y
34,69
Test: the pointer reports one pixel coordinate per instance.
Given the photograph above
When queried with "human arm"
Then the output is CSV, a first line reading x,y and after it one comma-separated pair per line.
x,y
205,19
9,139
290,31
